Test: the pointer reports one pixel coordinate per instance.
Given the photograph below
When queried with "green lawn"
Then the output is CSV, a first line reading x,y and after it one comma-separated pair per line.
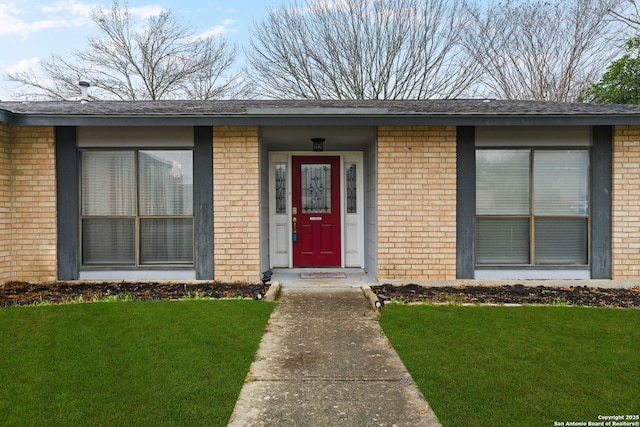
x,y
129,363
520,366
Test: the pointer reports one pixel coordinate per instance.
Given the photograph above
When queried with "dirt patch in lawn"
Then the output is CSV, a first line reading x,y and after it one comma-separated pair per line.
x,y
514,294
26,293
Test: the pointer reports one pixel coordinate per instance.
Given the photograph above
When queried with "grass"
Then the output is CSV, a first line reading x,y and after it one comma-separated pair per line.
x,y
131,363
519,366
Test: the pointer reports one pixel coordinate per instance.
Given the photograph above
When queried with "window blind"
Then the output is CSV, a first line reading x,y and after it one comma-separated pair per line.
x,y
166,241
561,181
502,182
108,241
561,241
108,183
166,183
502,241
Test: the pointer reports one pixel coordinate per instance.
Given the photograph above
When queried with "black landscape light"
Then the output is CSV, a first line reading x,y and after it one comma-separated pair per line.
x,y
380,302
266,276
257,294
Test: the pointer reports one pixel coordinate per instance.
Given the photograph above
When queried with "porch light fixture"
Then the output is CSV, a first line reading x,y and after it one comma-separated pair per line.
x,y
318,144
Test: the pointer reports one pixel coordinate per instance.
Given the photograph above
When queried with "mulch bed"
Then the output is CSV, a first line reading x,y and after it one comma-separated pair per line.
x,y
26,293
514,294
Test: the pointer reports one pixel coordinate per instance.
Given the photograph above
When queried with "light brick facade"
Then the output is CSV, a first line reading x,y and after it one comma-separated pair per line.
x,y
27,203
5,205
417,203
236,201
626,203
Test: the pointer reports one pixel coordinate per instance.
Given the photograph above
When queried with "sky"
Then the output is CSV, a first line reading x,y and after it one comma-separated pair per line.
x,y
34,29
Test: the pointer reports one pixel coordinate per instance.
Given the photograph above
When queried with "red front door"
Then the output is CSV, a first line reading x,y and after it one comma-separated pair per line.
x,y
316,211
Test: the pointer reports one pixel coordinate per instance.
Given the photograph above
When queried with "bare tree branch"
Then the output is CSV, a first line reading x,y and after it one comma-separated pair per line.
x,y
541,50
361,49
160,60
628,13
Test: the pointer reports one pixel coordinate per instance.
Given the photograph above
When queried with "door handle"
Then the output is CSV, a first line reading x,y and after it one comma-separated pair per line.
x,y
294,234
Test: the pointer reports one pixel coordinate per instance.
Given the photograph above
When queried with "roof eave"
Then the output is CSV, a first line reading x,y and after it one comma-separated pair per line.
x,y
417,119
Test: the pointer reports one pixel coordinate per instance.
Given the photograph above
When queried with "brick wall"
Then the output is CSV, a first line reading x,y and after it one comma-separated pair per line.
x,y
27,203
417,203
33,203
236,201
626,203
5,205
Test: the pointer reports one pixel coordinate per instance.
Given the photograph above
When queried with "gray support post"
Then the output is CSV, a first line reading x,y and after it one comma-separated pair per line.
x,y
67,202
601,205
203,201
465,202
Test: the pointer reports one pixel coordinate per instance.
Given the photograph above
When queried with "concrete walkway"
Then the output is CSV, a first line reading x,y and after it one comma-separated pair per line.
x,y
324,361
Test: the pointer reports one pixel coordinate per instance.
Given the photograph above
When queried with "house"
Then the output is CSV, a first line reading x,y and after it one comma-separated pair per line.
x,y
407,190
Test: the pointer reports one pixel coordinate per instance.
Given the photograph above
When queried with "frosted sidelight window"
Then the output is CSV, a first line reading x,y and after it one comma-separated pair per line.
x,y
281,188
136,207
532,207
351,188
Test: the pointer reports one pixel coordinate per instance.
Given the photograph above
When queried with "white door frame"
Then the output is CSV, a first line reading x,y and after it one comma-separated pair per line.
x,y
351,224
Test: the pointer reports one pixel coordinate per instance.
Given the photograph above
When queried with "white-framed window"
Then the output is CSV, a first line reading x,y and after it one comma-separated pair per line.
x,y
136,207
532,207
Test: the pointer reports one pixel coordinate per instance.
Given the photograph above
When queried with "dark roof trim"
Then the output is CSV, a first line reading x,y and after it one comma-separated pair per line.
x,y
455,112
330,120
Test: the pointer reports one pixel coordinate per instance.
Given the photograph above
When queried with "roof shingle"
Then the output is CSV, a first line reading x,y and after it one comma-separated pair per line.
x,y
489,111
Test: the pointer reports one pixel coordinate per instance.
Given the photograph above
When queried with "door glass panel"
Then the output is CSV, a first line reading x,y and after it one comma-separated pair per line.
x,y
316,188
352,193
